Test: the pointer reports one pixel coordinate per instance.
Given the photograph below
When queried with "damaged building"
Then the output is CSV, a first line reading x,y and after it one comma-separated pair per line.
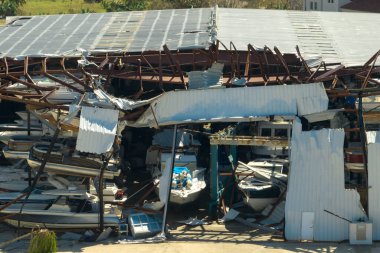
x,y
277,123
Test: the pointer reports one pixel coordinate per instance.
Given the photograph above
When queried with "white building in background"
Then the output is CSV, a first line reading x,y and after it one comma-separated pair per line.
x,y
324,5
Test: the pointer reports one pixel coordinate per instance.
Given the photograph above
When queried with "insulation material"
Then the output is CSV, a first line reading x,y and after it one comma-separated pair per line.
x,y
316,184
97,130
233,105
373,137
374,185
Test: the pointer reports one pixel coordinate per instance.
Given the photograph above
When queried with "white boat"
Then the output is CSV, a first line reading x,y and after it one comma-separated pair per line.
x,y
184,194
67,165
262,182
80,214
20,127
63,95
275,129
159,153
18,146
259,195
24,116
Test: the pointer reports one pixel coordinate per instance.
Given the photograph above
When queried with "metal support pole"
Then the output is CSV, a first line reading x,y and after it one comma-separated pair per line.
x,y
100,195
164,229
233,153
100,192
363,140
214,180
28,113
29,176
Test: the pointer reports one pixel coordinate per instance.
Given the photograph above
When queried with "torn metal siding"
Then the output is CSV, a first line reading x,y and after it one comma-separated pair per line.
x,y
207,78
133,31
97,130
235,104
374,187
316,183
348,38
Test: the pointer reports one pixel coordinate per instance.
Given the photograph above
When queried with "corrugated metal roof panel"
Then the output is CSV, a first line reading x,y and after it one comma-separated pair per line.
x,y
374,188
234,104
316,183
128,31
97,130
349,38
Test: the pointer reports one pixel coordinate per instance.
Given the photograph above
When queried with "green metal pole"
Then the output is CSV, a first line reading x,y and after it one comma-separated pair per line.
x,y
214,180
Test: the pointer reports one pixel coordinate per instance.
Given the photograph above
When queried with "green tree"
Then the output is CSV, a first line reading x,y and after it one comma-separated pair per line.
x,y
125,5
9,7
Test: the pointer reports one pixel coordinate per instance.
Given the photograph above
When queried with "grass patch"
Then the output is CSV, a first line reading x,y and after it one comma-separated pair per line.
x,y
45,7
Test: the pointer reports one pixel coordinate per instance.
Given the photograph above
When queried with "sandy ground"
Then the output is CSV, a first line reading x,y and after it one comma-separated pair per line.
x,y
218,238
209,247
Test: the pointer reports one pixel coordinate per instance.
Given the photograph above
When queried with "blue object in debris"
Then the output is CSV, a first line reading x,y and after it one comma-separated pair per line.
x,y
180,183
178,170
350,100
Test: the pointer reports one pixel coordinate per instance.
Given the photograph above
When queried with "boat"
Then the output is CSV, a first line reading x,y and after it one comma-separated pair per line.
x,y
279,130
262,182
185,160
63,95
20,127
34,197
186,186
11,130
18,146
70,164
64,213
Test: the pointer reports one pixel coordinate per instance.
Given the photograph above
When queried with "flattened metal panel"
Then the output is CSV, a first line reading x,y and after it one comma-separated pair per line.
x,y
126,31
374,188
349,38
316,183
236,104
258,27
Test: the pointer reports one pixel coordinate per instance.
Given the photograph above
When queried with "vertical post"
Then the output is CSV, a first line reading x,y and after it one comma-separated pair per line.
x,y
363,140
214,180
174,143
28,113
233,153
363,136
29,176
100,192
289,134
100,195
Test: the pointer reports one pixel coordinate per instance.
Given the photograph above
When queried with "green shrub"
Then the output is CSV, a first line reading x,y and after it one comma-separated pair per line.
x,y
43,241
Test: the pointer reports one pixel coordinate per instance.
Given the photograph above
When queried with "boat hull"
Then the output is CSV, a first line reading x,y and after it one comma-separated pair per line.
x,y
71,170
258,204
181,197
15,155
259,197
30,219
